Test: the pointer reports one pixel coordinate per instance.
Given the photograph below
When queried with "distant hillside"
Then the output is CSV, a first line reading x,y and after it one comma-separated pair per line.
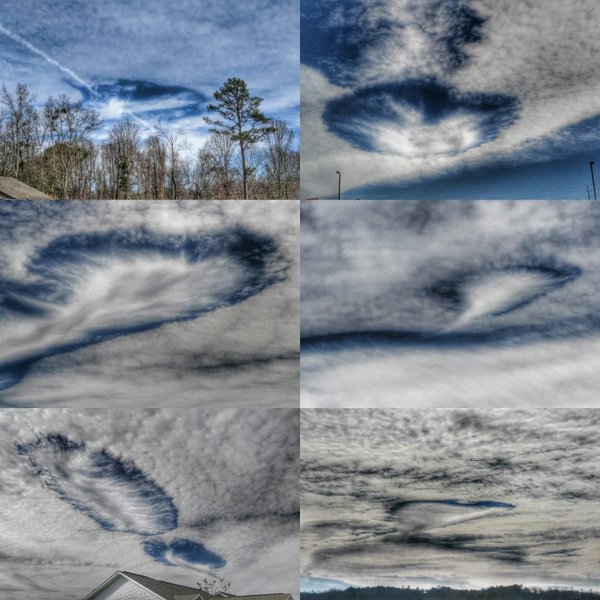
x,y
512,592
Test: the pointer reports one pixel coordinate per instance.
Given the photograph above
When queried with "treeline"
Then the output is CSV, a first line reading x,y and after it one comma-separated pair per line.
x,y
512,592
51,148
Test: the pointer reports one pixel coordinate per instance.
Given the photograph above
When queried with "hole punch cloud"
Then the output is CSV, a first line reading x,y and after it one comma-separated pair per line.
x,y
183,553
112,491
83,289
418,118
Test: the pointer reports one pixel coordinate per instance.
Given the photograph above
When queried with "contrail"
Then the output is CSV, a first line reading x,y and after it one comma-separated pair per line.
x,y
52,61
66,70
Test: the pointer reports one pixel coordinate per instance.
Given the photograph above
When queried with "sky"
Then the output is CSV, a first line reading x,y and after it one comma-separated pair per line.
x,y
139,303
177,495
454,99
462,498
150,60
450,304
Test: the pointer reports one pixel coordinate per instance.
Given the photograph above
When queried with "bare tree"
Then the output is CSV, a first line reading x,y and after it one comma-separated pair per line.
x,y
69,125
216,586
282,162
174,146
215,170
122,156
52,149
21,129
154,168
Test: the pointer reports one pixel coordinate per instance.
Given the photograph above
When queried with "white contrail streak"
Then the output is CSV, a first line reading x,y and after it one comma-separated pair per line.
x,y
52,61
66,70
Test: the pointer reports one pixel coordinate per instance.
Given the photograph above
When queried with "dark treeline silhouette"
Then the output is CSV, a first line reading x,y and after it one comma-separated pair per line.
x,y
511,592
51,148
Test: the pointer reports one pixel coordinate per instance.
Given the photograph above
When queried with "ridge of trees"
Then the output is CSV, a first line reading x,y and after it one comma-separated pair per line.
x,y
510,592
52,149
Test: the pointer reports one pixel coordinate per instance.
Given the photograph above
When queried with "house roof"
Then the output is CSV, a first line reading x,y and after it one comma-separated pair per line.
x,y
13,189
167,590
173,591
160,589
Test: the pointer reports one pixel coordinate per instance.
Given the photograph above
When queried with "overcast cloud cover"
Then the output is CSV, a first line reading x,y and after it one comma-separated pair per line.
x,y
148,303
450,304
449,98
450,497
172,494
153,59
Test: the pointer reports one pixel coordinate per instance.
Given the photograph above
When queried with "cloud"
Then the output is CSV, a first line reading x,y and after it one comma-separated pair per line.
x,y
55,47
465,498
114,493
429,303
167,493
417,119
547,78
183,552
104,276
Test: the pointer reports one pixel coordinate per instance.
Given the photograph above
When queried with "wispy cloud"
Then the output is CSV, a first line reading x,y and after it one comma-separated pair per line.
x,y
415,303
56,48
79,279
460,498
354,50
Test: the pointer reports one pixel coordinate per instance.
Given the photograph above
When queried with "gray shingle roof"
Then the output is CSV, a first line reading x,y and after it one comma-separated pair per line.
x,y
174,591
167,590
13,189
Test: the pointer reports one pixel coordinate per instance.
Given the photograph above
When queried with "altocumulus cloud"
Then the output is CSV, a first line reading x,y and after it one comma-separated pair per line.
x,y
449,304
464,498
77,279
173,494
461,90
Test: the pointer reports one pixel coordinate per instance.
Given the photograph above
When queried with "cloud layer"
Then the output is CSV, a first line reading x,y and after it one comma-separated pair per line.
x,y
173,494
115,274
449,304
363,61
449,497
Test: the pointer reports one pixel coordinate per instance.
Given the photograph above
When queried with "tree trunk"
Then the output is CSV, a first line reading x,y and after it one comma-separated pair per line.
x,y
244,175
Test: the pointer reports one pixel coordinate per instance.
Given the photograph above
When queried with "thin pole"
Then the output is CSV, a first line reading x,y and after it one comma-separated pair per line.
x,y
339,184
588,190
593,180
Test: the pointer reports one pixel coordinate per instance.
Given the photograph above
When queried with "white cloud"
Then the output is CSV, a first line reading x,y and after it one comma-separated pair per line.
x,y
450,497
250,344
232,475
542,54
449,304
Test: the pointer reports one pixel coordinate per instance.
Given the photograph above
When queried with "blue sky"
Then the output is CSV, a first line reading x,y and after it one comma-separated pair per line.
x,y
449,98
153,59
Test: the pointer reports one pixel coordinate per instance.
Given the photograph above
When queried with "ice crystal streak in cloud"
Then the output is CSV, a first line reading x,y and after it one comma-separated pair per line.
x,y
355,40
425,515
84,288
112,491
502,291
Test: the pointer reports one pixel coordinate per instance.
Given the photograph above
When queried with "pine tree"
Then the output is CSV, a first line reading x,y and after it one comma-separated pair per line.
x,y
240,117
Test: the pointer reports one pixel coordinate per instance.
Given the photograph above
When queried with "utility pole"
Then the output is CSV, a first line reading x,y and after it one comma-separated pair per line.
x,y
339,174
588,190
593,180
